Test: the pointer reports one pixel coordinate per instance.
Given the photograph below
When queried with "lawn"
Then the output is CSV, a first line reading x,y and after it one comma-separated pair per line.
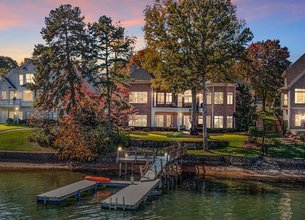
x,y
165,136
236,142
18,141
4,127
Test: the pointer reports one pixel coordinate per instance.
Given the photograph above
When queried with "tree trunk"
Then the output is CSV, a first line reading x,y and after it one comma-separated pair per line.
x,y
264,103
194,112
204,115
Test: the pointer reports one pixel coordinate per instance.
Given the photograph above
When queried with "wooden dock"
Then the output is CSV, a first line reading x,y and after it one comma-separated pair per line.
x,y
130,197
60,195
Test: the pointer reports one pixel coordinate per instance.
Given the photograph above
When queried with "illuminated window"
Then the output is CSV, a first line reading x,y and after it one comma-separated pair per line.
x,y
299,96
159,120
298,120
27,95
160,98
188,96
209,98
229,121
285,99
169,98
168,120
29,78
138,97
3,95
200,120
230,98
138,121
218,98
218,121
12,94
21,80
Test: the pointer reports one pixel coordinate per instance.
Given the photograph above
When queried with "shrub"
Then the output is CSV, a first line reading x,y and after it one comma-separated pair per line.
x,y
9,121
43,137
252,139
254,132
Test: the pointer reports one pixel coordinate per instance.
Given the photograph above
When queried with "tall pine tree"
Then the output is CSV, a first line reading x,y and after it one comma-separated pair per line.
x,y
61,62
111,50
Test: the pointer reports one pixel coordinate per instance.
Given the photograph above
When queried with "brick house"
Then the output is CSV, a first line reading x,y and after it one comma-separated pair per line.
x,y
165,109
293,96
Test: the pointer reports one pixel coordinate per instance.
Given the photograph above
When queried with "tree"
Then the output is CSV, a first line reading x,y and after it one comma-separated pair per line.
x,y
245,108
111,51
61,64
6,64
268,62
196,40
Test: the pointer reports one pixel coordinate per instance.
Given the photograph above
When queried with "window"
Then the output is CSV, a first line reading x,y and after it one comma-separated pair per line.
x,y
138,97
200,98
230,98
188,96
138,120
209,98
27,95
159,120
20,115
218,98
168,120
12,94
298,120
200,120
229,121
11,114
209,121
29,78
160,98
285,99
21,81
299,96
218,121
3,95
169,98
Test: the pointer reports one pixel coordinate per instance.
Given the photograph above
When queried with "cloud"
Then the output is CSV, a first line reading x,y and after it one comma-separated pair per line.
x,y
133,22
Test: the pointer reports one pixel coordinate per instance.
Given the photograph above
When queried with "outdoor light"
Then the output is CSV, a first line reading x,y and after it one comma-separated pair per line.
x,y
16,108
126,155
165,154
120,148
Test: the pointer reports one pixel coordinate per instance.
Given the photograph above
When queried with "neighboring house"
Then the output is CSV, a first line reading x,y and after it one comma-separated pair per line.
x,y
15,99
293,96
165,109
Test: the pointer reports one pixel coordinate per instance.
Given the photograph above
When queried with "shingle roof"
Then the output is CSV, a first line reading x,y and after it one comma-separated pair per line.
x,y
295,69
140,74
10,83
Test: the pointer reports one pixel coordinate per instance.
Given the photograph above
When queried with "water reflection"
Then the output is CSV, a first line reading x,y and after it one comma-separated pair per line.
x,y
195,198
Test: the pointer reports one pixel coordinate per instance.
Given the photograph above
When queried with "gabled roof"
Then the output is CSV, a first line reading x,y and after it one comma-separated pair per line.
x,y
9,82
140,74
295,70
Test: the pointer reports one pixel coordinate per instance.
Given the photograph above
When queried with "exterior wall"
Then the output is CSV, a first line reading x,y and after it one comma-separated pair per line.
x,y
296,108
180,111
143,109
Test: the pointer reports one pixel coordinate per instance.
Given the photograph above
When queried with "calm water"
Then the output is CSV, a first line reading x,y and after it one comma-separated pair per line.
x,y
195,199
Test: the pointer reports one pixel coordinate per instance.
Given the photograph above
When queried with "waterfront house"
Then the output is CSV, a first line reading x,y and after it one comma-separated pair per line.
x,y
166,109
293,96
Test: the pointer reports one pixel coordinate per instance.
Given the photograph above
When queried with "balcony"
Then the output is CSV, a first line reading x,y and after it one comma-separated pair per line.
x,y
173,105
10,102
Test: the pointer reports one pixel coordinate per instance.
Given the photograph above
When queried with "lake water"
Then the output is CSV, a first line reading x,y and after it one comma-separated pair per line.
x,y
194,199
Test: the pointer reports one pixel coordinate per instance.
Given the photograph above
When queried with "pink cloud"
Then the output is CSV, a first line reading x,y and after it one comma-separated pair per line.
x,y
133,22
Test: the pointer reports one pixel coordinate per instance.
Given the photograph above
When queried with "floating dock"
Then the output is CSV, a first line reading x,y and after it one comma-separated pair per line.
x,y
60,195
130,197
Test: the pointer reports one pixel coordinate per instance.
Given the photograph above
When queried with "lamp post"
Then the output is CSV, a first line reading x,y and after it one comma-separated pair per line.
x,y
17,114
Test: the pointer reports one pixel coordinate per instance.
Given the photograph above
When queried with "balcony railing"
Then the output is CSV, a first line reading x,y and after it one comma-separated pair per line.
x,y
10,102
173,105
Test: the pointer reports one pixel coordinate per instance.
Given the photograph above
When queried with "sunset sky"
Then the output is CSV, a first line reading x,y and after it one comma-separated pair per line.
x,y
22,20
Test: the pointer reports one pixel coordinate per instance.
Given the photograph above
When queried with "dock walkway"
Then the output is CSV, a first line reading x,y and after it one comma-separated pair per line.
x,y
130,197
60,195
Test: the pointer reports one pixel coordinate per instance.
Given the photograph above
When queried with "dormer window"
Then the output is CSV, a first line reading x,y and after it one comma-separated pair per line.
x,y
21,80
29,78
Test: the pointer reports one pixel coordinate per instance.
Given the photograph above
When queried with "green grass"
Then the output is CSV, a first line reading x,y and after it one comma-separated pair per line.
x,y
296,151
236,142
4,127
163,137
18,141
